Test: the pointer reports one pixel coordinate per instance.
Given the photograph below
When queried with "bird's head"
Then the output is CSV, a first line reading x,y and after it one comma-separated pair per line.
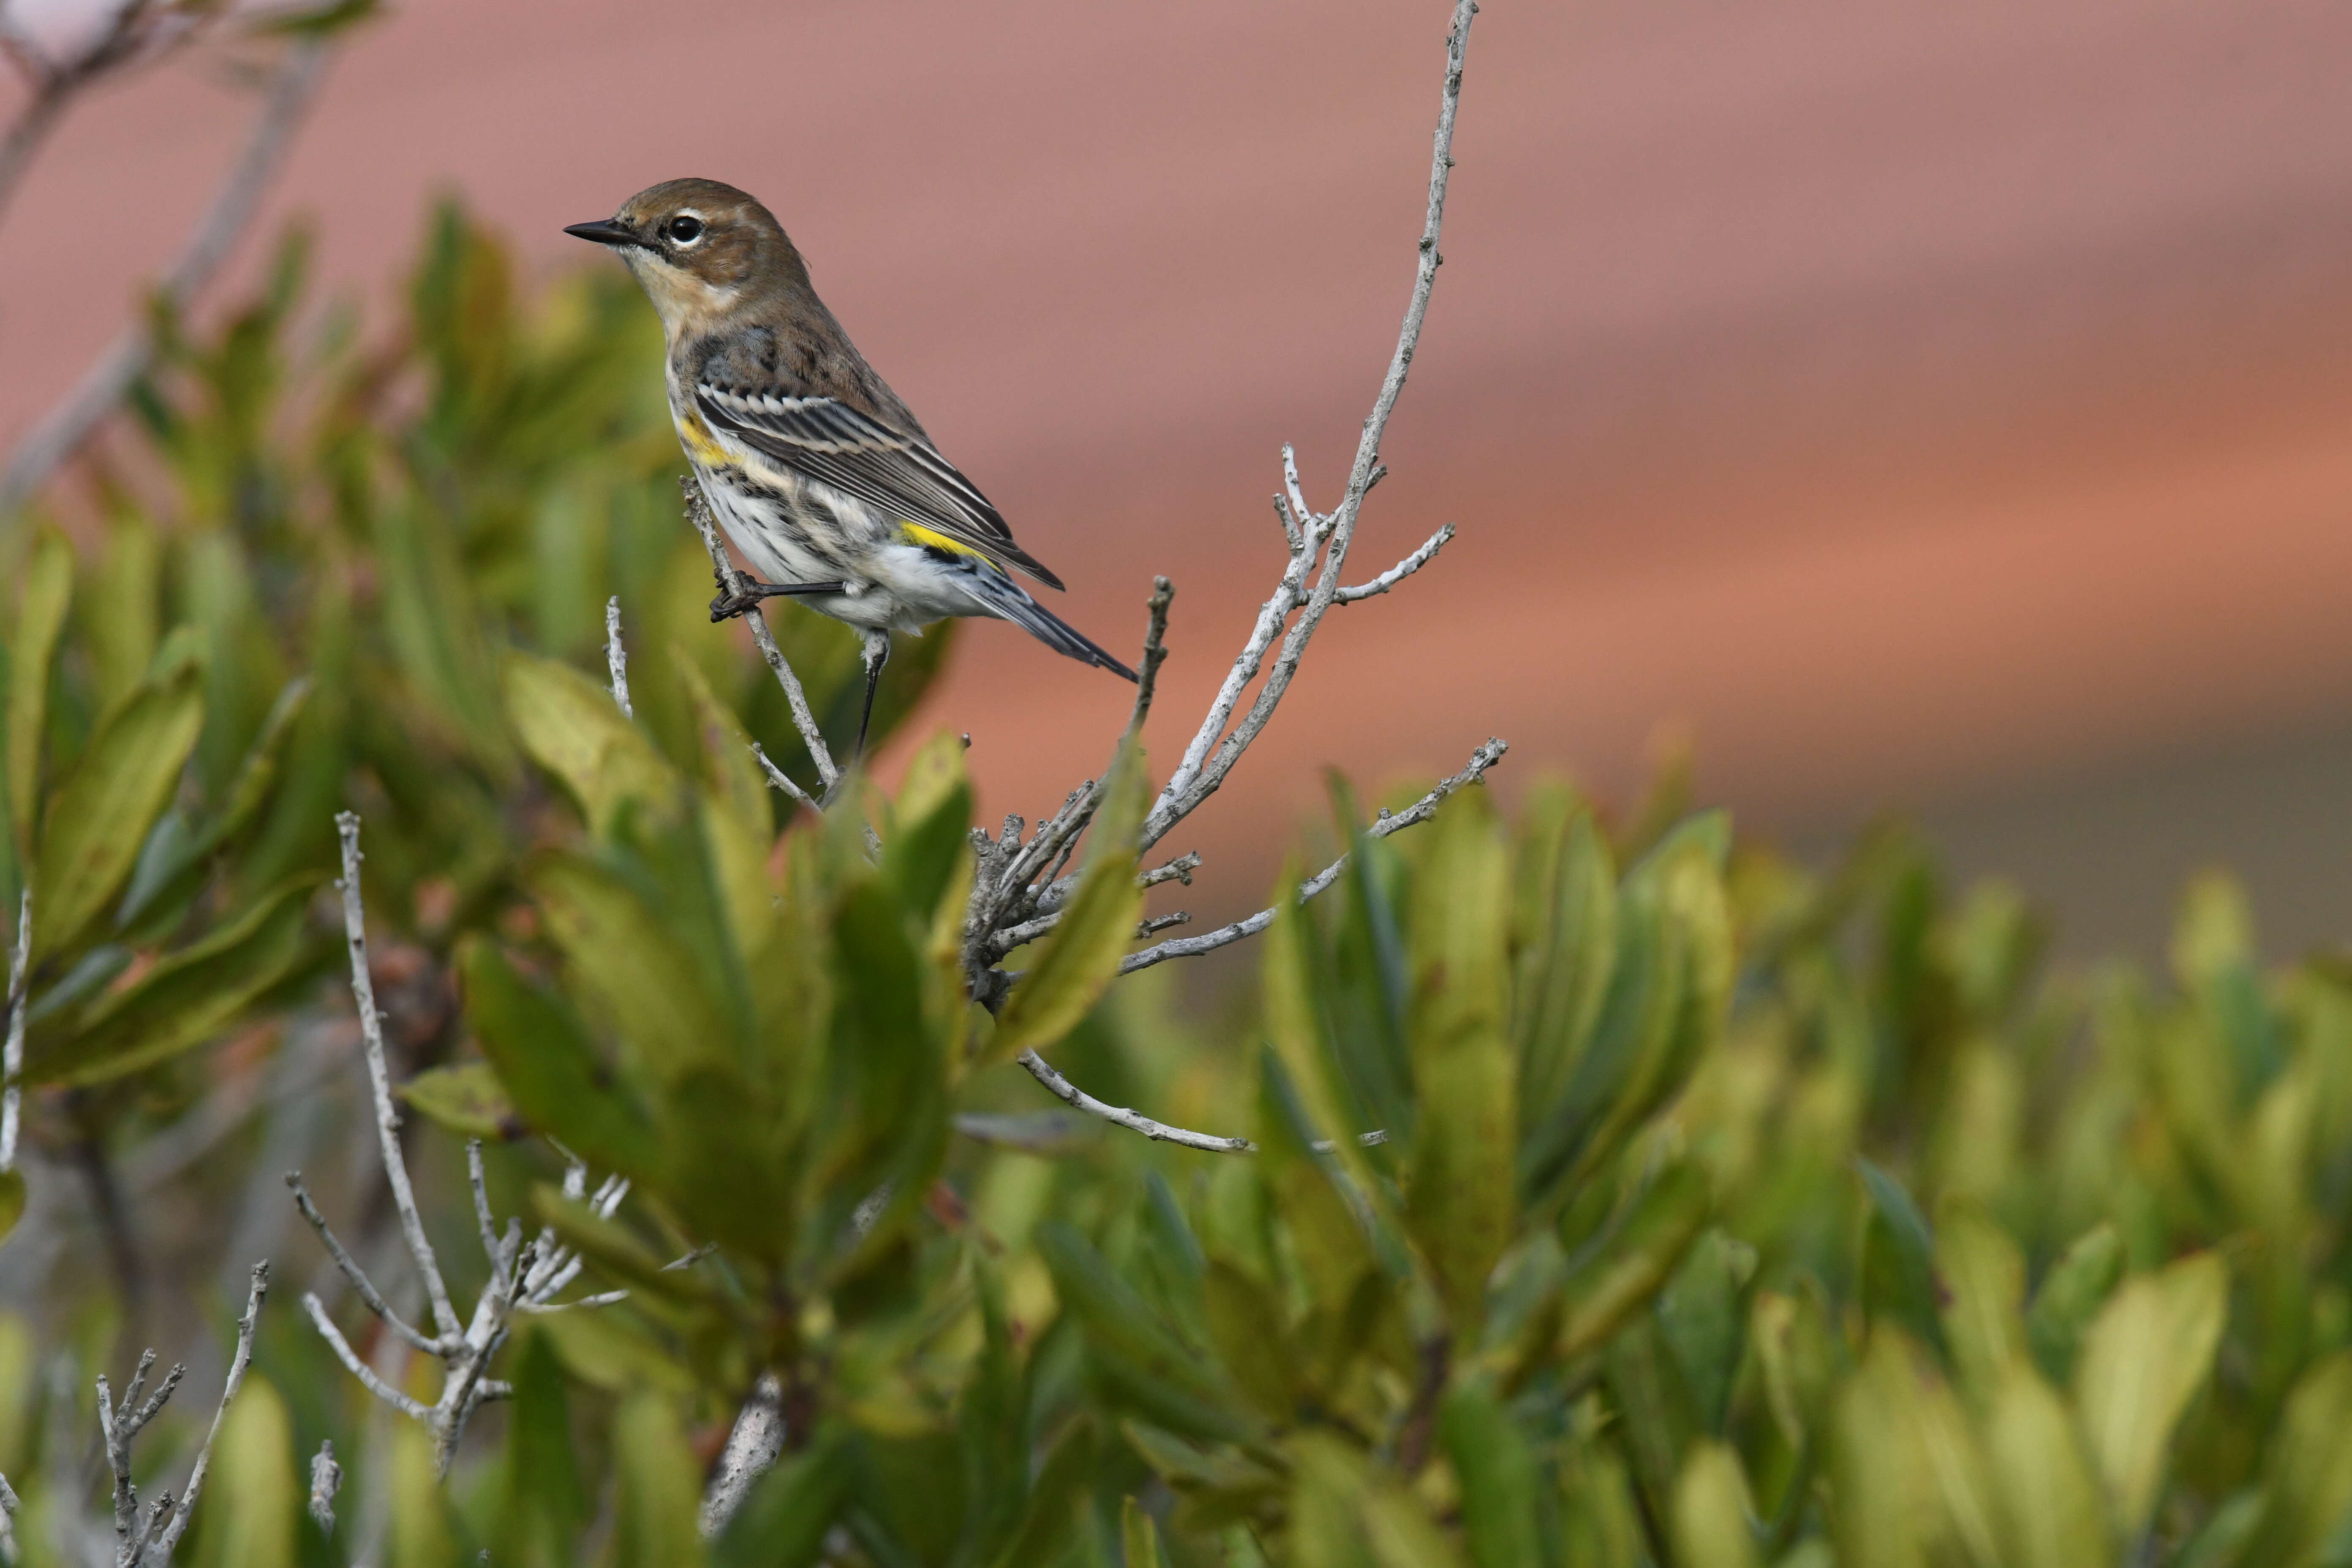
x,y
698,249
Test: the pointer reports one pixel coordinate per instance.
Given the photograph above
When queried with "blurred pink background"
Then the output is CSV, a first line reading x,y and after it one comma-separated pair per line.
x,y
1947,408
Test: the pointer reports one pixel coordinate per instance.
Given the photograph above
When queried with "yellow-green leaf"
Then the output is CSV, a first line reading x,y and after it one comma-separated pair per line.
x,y
1635,1262
99,813
2049,1508
1983,1278
1711,1511
1080,956
40,616
12,1201
1138,1537
465,1097
2144,1359
249,1508
1460,1195
573,728
189,997
627,962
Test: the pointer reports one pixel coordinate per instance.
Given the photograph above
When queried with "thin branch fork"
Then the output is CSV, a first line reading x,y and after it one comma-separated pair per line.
x,y
148,1540
525,1276
730,583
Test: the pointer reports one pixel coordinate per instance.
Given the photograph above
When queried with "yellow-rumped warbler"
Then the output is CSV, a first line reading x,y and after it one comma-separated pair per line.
x,y
822,477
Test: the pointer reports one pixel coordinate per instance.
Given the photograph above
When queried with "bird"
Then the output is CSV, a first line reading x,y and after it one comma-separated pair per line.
x,y
821,475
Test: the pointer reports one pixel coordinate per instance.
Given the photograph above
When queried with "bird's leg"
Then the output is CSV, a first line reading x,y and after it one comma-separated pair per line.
x,y
876,653
732,602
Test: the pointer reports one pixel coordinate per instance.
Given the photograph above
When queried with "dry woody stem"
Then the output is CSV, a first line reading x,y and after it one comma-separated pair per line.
x,y
1020,889
525,1276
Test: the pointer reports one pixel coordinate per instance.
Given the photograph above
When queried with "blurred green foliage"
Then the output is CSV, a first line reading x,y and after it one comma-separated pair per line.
x,y
1621,1195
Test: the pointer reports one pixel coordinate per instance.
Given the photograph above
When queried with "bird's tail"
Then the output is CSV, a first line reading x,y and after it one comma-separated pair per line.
x,y
1003,597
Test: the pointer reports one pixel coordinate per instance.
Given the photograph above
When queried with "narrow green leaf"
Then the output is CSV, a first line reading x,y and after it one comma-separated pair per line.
x,y
249,1505
12,1201
932,815
1138,1537
1711,1511
1145,1366
1624,1273
1984,1278
99,813
2145,1357
548,1068
465,1098
1567,948
1899,1260
1460,1199
571,726
40,617
1057,1503
189,997
2049,1507
627,963
546,1504
661,1487
1498,1476
1080,956
2072,1293
2307,1487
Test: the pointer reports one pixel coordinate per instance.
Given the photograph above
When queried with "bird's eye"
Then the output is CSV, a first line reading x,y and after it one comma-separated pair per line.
x,y
683,230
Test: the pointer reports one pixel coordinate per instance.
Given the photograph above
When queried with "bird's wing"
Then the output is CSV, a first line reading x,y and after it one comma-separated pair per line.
x,y
826,440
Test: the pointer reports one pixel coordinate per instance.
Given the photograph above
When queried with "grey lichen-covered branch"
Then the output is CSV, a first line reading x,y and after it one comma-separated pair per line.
x,y
146,1538
731,584
1020,889
525,1276
12,1058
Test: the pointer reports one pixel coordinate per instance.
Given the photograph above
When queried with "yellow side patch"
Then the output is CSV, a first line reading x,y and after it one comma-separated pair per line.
x,y
700,443
933,539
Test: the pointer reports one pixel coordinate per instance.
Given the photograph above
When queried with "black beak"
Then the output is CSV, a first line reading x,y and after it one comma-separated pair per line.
x,y
604,231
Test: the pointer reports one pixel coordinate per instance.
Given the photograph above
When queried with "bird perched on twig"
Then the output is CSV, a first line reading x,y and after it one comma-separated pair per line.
x,y
823,478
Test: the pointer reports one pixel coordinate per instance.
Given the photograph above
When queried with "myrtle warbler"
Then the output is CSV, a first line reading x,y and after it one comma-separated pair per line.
x,y
823,478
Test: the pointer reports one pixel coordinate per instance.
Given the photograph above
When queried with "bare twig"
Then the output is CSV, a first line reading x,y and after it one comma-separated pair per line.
x,y
752,1445
1072,1095
387,1118
1484,758
524,1276
616,657
100,391
779,779
12,1063
1398,573
142,1541
697,512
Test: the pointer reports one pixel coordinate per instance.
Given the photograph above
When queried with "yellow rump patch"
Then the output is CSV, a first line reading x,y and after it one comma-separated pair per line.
x,y
700,443
933,539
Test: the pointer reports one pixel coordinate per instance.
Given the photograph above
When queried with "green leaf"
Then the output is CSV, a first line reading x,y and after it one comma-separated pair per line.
x,y
1899,1260
1984,1281
1138,1537
1702,1313
2072,1293
1498,1477
1150,1367
465,1098
660,1488
931,816
547,1065
249,1506
1623,1273
1080,956
1459,1196
189,998
1246,1325
2048,1506
1057,1503
2308,1489
546,1504
1711,1511
40,617
98,814
1567,939
571,726
2145,1357
12,1201
627,962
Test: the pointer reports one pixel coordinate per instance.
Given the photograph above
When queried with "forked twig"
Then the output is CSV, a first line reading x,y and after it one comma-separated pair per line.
x,y
525,1276
1019,889
731,581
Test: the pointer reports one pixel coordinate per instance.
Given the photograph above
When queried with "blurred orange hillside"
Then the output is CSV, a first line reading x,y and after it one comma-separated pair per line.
x,y
1947,408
